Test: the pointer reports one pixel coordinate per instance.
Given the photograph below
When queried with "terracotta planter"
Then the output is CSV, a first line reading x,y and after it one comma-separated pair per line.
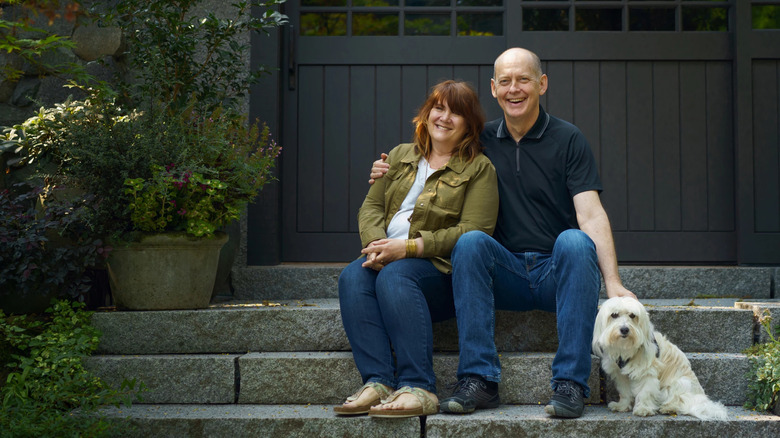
x,y
164,272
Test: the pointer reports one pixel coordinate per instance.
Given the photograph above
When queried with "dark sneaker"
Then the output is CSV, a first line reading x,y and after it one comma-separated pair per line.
x,y
567,401
471,393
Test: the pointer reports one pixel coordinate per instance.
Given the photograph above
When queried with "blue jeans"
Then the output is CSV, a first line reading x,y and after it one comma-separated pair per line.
x,y
393,310
488,277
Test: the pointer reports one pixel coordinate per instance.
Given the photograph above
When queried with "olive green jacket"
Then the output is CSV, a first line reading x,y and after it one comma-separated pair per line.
x,y
462,197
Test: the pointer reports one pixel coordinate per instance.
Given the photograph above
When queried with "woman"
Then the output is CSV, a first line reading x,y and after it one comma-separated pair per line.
x,y
438,188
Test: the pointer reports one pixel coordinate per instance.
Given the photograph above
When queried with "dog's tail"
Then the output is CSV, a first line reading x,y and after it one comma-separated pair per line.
x,y
701,407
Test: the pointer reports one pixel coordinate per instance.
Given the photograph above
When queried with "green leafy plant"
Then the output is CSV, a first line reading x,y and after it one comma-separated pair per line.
x,y
46,390
175,116
181,56
45,251
22,39
764,375
151,172
199,196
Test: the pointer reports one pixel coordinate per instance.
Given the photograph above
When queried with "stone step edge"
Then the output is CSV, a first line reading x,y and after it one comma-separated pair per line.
x,y
506,420
311,280
261,377
315,325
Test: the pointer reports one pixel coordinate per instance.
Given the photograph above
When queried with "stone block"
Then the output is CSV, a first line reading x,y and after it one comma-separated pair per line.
x,y
698,329
722,376
315,325
597,421
691,282
172,378
762,309
329,377
286,282
231,328
277,421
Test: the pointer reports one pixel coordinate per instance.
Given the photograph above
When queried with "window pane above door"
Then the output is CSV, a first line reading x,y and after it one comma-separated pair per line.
x,y
472,18
626,15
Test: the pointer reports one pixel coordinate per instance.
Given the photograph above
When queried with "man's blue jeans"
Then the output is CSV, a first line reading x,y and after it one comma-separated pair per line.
x,y
392,310
487,277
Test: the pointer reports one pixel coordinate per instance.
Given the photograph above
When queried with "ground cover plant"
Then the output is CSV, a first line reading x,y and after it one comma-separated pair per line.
x,y
45,389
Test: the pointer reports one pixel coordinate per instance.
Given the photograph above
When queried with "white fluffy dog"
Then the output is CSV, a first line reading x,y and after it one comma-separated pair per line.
x,y
650,373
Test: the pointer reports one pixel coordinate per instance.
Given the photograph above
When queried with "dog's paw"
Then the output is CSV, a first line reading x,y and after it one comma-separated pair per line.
x,y
643,411
667,410
619,407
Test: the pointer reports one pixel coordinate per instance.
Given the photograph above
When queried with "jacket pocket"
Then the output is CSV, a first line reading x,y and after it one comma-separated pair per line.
x,y
450,193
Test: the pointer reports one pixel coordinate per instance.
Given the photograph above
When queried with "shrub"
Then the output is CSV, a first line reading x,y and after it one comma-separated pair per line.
x,y
764,376
31,263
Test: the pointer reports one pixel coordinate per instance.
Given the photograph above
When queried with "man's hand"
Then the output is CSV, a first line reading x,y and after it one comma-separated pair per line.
x,y
618,290
379,168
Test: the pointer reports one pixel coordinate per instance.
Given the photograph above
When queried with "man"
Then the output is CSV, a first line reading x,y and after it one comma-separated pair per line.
x,y
552,238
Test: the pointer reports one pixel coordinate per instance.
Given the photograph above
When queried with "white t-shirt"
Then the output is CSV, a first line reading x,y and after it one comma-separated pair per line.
x,y
399,225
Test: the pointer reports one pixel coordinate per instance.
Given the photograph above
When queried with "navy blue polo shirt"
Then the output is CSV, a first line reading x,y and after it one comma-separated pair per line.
x,y
537,179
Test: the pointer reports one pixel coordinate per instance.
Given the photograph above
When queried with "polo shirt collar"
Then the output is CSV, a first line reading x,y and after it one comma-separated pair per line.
x,y
534,133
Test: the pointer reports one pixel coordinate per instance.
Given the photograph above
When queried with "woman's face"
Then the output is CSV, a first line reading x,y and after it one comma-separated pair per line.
x,y
444,126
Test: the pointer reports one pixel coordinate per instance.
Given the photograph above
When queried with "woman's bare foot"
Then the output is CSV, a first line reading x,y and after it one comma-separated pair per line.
x,y
367,398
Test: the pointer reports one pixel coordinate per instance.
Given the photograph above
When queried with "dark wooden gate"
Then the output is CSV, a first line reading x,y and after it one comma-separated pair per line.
x,y
679,100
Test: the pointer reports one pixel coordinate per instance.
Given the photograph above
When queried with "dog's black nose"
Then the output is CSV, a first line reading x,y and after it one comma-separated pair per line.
x,y
623,331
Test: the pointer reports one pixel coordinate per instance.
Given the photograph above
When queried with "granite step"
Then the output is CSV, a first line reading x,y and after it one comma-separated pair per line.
x,y
311,421
320,280
328,377
694,325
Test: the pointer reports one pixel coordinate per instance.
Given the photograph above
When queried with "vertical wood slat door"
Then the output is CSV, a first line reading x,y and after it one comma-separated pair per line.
x,y
354,96
758,106
660,120
662,136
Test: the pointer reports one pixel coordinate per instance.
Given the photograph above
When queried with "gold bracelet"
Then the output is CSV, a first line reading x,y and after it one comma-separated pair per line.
x,y
411,248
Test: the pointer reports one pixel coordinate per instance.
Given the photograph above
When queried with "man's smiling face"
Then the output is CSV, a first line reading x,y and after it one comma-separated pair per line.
x,y
517,86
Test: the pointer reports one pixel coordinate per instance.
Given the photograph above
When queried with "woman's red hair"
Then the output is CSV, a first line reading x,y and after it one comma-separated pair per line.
x,y
463,101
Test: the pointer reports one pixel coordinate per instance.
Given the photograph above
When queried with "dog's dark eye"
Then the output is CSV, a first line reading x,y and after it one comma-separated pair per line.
x,y
632,316
615,315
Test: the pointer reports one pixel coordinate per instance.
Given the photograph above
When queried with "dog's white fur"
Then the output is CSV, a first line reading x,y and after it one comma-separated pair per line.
x,y
651,374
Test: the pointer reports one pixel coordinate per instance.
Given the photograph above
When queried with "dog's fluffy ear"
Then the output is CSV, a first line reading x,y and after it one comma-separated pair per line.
x,y
598,329
648,334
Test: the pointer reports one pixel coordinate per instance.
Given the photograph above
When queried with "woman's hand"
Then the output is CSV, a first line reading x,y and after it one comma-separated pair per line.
x,y
383,251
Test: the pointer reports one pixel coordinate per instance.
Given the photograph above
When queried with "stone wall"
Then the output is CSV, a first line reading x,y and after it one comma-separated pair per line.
x,y
98,49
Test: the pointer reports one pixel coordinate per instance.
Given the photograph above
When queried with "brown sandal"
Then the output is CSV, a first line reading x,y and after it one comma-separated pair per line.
x,y
382,393
427,405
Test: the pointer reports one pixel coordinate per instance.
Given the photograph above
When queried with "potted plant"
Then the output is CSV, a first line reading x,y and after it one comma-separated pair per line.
x,y
166,151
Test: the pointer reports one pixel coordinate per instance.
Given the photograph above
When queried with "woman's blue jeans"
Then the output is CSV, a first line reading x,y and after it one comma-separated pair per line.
x,y
486,276
393,310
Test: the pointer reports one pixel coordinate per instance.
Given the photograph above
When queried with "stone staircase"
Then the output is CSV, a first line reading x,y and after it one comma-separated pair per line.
x,y
273,360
